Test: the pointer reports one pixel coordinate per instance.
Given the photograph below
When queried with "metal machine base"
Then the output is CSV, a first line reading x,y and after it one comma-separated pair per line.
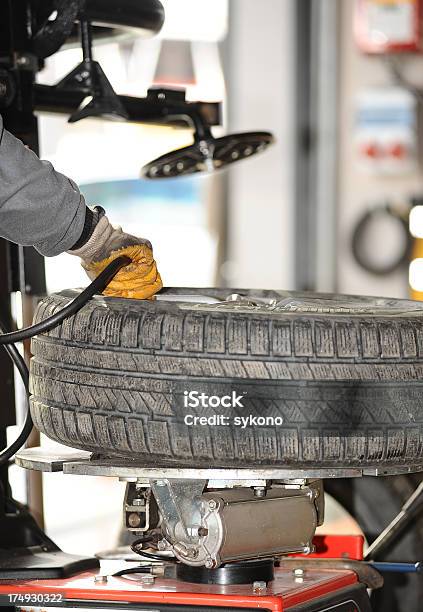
x,y
72,461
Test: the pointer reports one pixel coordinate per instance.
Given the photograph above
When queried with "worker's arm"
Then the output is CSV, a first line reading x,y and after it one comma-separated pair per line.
x,y
42,208
38,206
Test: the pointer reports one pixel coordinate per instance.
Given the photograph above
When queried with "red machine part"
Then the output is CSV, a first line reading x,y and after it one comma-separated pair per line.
x,y
284,592
338,547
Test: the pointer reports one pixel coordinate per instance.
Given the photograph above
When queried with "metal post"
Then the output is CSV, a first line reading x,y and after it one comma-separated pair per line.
x,y
316,144
325,105
304,266
22,268
86,39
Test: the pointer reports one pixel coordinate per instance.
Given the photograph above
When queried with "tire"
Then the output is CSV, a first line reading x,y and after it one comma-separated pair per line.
x,y
329,381
374,503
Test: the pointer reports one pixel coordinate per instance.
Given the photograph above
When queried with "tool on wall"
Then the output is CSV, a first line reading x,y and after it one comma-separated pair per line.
x,y
396,253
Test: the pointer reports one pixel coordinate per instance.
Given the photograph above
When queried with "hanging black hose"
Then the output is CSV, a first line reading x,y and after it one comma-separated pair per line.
x,y
359,243
97,286
8,338
16,357
136,547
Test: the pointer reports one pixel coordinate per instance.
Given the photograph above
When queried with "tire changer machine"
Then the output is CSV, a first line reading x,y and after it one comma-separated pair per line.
x,y
209,538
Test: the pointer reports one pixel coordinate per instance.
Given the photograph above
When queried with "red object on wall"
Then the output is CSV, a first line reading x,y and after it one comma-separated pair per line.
x,y
398,151
371,150
388,26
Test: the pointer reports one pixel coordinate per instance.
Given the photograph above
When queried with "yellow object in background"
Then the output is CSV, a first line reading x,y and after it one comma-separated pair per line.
x,y
140,279
416,270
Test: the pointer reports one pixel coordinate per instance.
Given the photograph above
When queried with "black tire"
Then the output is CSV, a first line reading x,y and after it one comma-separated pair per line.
x,y
342,374
374,503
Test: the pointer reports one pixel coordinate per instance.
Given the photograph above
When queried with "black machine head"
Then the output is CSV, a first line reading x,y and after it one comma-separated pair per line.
x,y
207,155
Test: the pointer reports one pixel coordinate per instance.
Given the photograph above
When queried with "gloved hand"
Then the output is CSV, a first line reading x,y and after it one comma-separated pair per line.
x,y
140,279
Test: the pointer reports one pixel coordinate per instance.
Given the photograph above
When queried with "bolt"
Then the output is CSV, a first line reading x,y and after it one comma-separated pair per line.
x,y
180,548
202,532
210,563
148,579
22,60
307,550
298,572
162,544
192,552
212,504
100,579
134,520
313,494
3,89
259,585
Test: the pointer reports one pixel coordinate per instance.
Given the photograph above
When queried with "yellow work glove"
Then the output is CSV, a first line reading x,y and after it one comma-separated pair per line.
x,y
140,279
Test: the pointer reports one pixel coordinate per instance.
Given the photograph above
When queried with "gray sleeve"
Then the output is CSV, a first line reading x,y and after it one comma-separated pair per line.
x,y
38,206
